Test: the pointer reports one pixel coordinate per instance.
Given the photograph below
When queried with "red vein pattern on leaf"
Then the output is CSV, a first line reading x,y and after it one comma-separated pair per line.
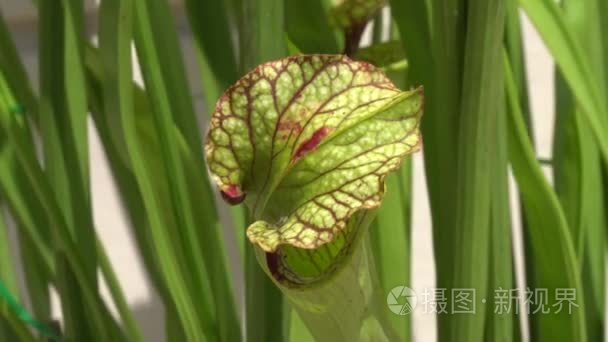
x,y
311,143
284,130
330,61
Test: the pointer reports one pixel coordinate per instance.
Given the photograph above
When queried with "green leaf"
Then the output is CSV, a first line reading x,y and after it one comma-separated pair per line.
x,y
480,104
7,271
109,128
348,13
14,71
433,33
390,235
500,326
182,161
577,166
547,228
568,55
383,54
100,319
308,27
309,140
63,122
217,56
514,46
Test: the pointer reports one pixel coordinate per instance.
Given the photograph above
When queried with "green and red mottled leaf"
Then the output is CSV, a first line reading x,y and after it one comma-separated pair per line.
x,y
306,141
348,13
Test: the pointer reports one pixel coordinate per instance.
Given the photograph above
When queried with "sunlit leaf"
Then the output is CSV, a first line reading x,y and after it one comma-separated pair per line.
x,y
308,140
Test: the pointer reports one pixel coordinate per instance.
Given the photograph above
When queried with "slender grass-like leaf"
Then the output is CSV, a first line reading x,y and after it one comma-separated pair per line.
x,y
12,188
500,324
568,55
434,50
9,282
577,167
112,135
480,107
209,21
14,71
390,236
119,96
7,271
64,136
100,318
514,46
11,329
547,227
165,77
33,232
132,331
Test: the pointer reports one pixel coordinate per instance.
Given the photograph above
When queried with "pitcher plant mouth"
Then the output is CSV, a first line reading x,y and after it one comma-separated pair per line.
x,y
295,267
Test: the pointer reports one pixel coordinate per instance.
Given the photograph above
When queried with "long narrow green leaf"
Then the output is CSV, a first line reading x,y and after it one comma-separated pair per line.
x,y
436,63
211,28
166,100
577,167
13,187
132,330
481,103
391,241
18,154
18,330
14,71
514,46
500,324
162,64
64,136
99,316
547,229
7,271
568,55
36,257
7,278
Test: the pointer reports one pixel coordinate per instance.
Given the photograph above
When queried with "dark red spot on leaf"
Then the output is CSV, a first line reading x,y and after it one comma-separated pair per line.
x,y
232,194
272,261
311,143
